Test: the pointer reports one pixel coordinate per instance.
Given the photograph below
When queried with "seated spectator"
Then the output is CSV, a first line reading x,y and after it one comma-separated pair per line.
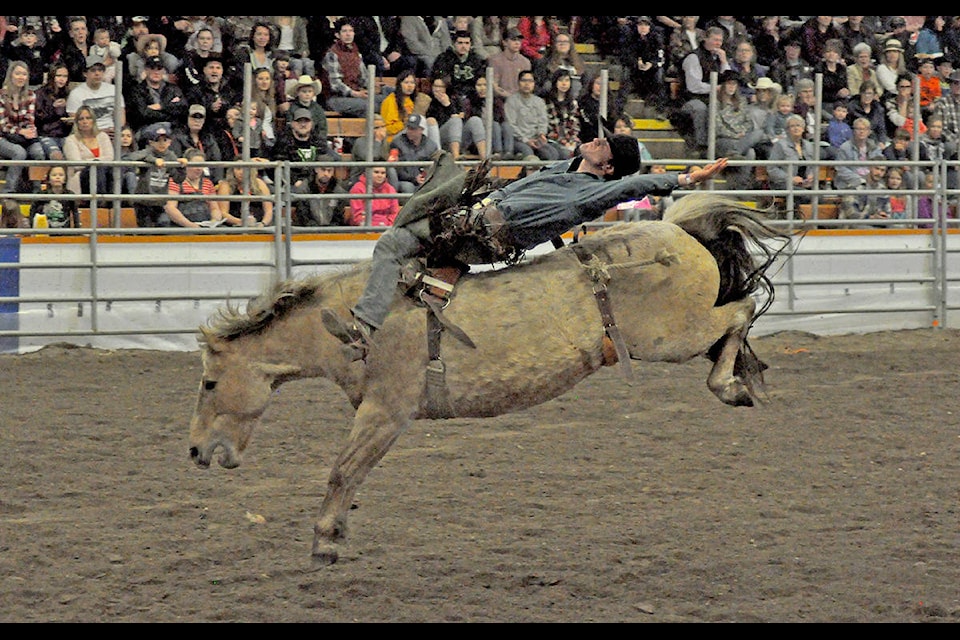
x,y
193,212
152,45
424,41
736,136
100,96
19,136
474,104
861,69
837,131
214,92
900,203
298,143
292,39
412,144
88,144
316,212
859,147
527,114
538,33
381,152
794,155
776,125
348,76
24,45
259,213
162,164
900,150
508,63
870,206
929,85
196,133
460,65
696,89
61,214
642,59
762,110
683,41
806,105
891,67
790,68
941,145
750,71
900,110
51,117
405,101
445,120
867,105
155,99
834,84
305,93
563,114
563,54
383,210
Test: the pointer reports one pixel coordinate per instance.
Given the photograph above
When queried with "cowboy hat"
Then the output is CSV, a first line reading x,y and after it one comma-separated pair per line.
x,y
766,83
148,37
893,45
307,81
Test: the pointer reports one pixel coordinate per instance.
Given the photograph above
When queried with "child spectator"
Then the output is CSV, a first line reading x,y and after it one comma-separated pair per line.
x,y
60,213
107,50
929,85
27,49
155,178
838,130
384,210
899,202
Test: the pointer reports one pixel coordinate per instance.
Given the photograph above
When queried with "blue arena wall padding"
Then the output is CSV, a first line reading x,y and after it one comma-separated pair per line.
x,y
9,288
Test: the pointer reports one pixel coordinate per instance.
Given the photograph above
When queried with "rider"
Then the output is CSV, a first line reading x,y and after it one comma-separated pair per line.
x,y
527,212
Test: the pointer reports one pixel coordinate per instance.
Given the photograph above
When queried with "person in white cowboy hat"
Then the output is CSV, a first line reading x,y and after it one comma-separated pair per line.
x,y
893,65
305,93
762,110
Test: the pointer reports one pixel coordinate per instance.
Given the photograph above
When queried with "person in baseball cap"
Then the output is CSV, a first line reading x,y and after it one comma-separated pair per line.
x,y
416,121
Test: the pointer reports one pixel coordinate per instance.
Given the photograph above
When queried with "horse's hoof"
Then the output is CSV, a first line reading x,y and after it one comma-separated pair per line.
x,y
736,395
324,555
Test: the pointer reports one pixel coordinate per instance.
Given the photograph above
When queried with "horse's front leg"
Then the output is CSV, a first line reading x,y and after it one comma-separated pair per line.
x,y
375,429
723,380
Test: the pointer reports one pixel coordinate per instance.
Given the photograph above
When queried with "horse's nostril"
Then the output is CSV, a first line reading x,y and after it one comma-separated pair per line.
x,y
194,452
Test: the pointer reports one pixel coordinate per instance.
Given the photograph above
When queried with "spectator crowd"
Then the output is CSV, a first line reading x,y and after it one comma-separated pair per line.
x,y
179,84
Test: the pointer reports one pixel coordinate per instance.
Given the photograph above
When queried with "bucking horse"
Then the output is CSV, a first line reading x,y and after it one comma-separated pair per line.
x,y
669,290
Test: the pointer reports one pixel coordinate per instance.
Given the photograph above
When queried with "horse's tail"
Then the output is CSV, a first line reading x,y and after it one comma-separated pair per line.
x,y
739,239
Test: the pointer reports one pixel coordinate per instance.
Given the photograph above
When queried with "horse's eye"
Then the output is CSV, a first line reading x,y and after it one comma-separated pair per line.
x,y
209,385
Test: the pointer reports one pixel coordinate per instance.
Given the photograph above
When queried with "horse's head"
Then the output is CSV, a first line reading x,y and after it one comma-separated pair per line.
x,y
234,393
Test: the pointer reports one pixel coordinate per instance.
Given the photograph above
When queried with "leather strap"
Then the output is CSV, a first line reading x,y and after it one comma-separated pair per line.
x,y
606,311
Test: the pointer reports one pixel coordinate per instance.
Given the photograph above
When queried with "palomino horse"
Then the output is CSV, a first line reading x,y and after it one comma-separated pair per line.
x,y
537,331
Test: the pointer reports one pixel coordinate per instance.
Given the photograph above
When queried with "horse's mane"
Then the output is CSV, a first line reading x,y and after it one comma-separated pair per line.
x,y
232,322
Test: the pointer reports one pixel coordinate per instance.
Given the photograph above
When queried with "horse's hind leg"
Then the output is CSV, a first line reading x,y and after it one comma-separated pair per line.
x,y
723,380
375,429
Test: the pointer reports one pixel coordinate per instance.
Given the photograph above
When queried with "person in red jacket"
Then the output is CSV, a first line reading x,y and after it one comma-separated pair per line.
x,y
383,211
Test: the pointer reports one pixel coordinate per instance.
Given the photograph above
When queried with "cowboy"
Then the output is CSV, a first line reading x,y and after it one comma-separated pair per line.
x,y
521,215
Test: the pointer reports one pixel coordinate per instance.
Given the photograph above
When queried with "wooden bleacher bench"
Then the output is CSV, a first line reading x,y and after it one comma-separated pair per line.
x,y
346,127
824,211
128,218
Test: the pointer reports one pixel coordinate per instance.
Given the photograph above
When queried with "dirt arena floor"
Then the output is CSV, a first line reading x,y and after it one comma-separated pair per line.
x,y
836,501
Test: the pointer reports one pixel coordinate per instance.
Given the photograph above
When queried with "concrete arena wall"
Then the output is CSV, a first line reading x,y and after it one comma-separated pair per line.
x,y
155,270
